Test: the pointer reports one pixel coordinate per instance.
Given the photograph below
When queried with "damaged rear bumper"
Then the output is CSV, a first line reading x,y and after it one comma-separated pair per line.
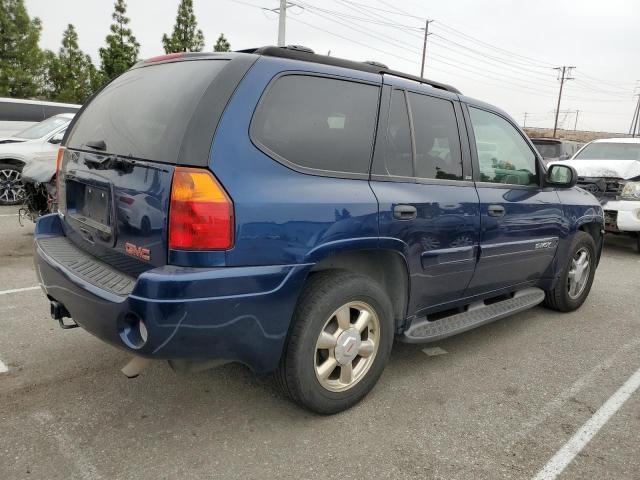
x,y
236,314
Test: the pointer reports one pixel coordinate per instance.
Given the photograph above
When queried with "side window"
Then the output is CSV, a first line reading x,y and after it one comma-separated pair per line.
x,y
503,155
318,123
21,112
437,140
398,160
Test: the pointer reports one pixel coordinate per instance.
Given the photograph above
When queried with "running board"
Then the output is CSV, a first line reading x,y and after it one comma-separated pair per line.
x,y
477,314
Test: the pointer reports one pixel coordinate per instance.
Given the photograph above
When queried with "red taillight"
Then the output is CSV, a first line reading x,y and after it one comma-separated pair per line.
x,y
127,200
201,212
162,58
59,169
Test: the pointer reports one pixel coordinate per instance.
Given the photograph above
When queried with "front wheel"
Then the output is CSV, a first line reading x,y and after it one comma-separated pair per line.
x,y
339,344
11,187
576,279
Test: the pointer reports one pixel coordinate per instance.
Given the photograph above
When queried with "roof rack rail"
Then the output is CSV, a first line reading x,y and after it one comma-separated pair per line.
x,y
375,64
299,52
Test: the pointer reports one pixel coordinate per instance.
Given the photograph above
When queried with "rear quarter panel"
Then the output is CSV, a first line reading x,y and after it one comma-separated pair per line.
x,y
283,216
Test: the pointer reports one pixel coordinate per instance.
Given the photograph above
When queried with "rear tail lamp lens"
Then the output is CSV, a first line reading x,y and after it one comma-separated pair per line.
x,y
59,169
201,212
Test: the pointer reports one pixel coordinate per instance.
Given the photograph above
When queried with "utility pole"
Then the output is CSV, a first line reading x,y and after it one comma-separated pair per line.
x,y
634,120
524,124
424,46
575,125
282,19
565,73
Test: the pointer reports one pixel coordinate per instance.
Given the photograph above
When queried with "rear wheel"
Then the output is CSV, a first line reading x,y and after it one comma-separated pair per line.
x,y
576,279
11,188
340,342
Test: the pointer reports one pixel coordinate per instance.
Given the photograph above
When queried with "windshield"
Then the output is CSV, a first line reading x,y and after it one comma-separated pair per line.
x,y
548,150
43,128
610,151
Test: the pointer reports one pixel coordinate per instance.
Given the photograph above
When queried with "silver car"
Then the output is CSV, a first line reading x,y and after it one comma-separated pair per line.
x,y
18,150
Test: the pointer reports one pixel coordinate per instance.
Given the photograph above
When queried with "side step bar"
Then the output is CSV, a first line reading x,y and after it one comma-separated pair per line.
x,y
477,314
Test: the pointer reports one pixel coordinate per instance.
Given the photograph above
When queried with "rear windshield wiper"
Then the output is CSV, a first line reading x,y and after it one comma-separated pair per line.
x,y
110,162
97,145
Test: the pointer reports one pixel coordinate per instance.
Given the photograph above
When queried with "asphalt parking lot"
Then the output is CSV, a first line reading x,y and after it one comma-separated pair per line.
x,y
496,402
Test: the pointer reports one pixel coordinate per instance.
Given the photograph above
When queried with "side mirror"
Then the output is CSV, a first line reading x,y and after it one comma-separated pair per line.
x,y
57,138
561,176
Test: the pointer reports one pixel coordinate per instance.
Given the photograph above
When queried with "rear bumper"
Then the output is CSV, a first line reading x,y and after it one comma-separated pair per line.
x,y
622,215
238,314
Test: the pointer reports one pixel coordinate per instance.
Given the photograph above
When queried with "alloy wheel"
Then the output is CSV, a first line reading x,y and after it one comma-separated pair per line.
x,y
579,272
347,346
11,188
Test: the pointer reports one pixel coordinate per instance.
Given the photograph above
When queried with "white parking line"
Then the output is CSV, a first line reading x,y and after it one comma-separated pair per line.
x,y
18,290
581,438
9,215
3,367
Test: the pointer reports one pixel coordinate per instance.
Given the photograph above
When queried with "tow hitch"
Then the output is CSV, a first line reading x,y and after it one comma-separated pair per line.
x,y
59,313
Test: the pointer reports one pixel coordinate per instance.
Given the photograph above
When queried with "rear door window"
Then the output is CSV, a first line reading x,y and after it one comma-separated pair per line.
x,y
398,160
144,113
438,153
317,124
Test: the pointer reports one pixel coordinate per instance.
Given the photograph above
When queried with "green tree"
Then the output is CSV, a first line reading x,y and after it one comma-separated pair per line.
x,y
71,76
186,36
122,48
222,44
21,59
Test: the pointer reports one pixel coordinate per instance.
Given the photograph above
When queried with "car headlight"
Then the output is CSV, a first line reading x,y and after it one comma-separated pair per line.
x,y
631,191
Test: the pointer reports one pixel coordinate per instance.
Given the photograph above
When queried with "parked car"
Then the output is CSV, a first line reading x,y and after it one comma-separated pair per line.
x,y
609,168
16,151
17,114
314,209
39,183
554,149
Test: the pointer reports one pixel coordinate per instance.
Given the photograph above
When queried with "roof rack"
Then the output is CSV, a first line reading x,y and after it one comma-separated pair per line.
x,y
299,52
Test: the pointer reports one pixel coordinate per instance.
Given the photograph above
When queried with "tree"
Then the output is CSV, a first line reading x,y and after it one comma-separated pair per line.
x,y
222,44
21,59
186,37
122,48
71,76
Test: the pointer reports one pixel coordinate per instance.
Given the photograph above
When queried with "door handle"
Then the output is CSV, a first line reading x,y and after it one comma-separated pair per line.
x,y
405,212
496,211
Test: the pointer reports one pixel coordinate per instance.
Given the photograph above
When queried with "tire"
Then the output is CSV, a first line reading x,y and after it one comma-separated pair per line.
x,y
324,296
11,188
561,298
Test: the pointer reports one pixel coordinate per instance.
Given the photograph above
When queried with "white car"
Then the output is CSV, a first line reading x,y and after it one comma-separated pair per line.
x,y
610,169
18,150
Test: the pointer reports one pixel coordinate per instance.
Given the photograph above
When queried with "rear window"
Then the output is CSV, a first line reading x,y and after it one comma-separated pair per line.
x,y
548,150
317,123
144,113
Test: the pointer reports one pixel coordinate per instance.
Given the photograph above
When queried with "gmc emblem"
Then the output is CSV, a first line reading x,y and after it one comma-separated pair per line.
x,y
139,252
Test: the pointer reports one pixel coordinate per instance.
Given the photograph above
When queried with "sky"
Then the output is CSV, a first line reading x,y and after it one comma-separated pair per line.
x,y
500,51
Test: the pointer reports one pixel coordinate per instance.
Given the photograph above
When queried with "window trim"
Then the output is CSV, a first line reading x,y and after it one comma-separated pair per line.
x,y
307,170
474,152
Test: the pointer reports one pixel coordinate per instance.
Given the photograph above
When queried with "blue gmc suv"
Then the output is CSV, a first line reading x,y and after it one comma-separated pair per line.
x,y
297,213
